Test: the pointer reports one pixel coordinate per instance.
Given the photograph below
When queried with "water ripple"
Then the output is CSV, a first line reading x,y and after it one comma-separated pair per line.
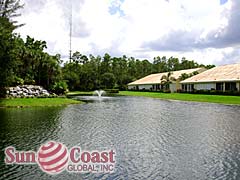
x,y
154,139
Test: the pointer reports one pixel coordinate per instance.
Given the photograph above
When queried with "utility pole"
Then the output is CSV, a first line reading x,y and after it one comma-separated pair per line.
x,y
70,33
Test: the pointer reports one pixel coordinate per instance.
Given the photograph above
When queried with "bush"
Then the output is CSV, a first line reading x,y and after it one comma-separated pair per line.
x,y
112,90
29,80
2,92
60,88
18,81
180,91
167,91
213,92
108,80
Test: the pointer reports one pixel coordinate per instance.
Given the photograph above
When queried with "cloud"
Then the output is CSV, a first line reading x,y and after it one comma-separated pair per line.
x,y
139,28
230,56
229,35
224,32
174,41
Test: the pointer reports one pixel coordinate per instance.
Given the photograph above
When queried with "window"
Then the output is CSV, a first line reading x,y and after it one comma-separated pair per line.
x,y
184,87
230,86
219,86
191,87
153,87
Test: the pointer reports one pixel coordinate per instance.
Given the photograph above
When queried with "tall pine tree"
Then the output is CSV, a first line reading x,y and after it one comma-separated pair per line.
x,y
8,10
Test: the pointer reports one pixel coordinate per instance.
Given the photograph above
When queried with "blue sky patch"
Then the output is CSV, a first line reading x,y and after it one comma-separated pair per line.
x,y
223,1
115,8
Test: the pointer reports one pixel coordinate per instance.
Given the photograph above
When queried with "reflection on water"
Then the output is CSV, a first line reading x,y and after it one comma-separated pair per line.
x,y
154,139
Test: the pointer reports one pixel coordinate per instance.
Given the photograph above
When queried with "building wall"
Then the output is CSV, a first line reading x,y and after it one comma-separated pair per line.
x,y
238,86
205,86
140,87
146,87
173,87
210,86
131,87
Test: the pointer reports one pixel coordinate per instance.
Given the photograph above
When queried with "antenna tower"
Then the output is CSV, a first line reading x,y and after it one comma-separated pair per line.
x,y
70,33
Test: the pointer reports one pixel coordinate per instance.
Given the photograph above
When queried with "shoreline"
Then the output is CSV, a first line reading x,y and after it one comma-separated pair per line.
x,y
218,99
36,102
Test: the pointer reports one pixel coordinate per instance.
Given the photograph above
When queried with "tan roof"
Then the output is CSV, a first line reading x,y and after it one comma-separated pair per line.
x,y
156,78
229,72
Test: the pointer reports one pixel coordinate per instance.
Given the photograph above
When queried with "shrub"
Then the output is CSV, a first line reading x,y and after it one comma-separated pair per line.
x,y
214,92
179,91
60,88
167,91
18,81
112,90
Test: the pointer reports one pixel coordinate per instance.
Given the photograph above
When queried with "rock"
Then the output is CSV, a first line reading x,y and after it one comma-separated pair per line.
x,y
18,88
19,92
13,94
46,94
27,91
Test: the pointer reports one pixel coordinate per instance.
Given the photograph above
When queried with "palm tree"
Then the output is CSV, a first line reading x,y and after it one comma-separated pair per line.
x,y
166,80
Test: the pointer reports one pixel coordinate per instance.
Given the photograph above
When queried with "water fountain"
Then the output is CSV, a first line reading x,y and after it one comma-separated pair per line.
x,y
99,93
97,96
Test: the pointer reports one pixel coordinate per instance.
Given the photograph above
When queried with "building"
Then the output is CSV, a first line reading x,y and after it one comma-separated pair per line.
x,y
154,82
221,78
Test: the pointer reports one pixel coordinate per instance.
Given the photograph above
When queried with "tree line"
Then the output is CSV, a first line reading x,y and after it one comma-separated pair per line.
x,y
25,61
96,72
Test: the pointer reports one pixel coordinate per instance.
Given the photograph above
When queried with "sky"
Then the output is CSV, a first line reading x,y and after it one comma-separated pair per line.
x,y
207,31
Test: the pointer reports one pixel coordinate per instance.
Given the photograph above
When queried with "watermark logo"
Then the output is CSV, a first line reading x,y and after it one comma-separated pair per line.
x,y
54,157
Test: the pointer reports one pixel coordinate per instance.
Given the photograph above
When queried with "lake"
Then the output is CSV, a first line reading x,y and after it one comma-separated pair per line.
x,y
153,139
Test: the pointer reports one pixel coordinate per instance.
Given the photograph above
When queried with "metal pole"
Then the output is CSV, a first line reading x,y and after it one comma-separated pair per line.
x,y
70,33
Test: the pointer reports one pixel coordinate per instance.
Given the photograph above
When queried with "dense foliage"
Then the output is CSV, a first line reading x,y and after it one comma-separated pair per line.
x,y
23,61
26,62
89,73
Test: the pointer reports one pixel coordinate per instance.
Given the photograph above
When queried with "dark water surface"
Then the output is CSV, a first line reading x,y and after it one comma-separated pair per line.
x,y
154,139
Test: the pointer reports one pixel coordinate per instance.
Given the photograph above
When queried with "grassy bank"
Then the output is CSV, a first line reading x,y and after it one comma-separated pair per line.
x,y
75,93
187,97
34,102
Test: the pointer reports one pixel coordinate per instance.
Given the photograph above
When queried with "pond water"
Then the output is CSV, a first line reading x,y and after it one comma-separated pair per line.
x,y
153,139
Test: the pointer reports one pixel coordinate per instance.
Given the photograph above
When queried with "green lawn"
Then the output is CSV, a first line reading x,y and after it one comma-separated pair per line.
x,y
75,93
186,97
33,102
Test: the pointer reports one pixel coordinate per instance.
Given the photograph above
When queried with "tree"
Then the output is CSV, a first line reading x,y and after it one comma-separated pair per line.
x,y
8,10
89,73
166,80
185,76
6,52
106,64
71,73
108,80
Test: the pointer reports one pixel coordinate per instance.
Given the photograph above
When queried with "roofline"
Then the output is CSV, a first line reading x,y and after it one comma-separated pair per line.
x,y
149,83
195,82
162,73
143,84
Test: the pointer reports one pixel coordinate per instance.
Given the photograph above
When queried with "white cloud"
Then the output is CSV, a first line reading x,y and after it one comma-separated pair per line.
x,y
176,28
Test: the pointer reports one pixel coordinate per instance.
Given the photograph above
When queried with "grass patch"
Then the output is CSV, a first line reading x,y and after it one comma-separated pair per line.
x,y
186,97
34,102
75,93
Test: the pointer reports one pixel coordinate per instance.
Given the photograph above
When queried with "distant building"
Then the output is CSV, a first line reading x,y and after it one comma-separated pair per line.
x,y
221,78
154,82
